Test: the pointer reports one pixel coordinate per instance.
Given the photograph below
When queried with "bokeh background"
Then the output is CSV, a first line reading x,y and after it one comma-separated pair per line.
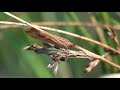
x,y
15,62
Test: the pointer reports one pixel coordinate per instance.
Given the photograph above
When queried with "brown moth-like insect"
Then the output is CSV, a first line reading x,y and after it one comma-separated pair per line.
x,y
46,37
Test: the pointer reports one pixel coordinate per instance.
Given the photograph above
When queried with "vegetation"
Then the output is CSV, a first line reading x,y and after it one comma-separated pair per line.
x,y
16,62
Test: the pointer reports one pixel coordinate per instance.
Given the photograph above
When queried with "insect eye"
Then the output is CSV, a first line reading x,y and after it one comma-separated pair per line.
x,y
63,58
72,45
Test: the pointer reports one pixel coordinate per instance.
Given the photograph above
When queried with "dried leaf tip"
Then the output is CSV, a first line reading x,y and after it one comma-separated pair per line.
x,y
110,32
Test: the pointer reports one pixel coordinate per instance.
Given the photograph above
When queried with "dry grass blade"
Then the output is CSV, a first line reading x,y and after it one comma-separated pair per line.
x,y
95,56
87,24
65,32
94,63
78,47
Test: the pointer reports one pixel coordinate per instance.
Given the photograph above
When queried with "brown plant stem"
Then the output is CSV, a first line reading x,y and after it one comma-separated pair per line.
x,y
78,47
95,56
81,37
87,24
65,32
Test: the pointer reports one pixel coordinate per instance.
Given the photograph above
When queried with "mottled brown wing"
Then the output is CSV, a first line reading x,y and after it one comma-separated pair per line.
x,y
50,38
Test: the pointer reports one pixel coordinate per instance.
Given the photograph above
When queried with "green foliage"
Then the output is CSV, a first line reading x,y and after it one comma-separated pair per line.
x,y
16,62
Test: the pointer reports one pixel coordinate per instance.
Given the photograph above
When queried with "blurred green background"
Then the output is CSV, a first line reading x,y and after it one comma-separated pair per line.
x,y
15,62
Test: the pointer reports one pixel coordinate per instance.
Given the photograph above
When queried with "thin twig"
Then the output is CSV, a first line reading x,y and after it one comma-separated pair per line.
x,y
23,21
81,37
65,32
58,23
98,57
78,47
